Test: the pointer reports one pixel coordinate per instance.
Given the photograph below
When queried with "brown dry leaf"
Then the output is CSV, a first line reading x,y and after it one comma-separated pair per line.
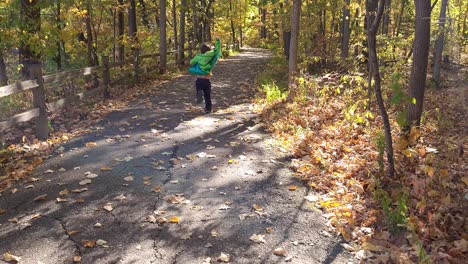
x,y
257,207
444,173
84,182
280,252
89,243
430,171
147,178
401,143
157,189
91,144
64,192
292,188
269,230
106,168
414,135
79,200
40,198
174,219
72,232
8,257
76,259
79,190
3,211
147,183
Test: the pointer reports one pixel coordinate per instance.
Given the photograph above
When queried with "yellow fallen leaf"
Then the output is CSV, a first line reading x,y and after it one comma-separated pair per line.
x,y
8,257
430,171
174,219
230,161
91,144
257,207
72,232
292,188
77,259
106,168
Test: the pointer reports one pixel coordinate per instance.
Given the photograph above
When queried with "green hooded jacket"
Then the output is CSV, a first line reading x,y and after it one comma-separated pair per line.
x,y
208,59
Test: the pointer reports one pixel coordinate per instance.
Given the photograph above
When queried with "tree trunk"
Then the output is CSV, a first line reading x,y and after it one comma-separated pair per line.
x,y
162,37
194,24
295,22
400,17
374,68
144,15
386,17
174,26
439,45
233,29
417,82
58,57
132,23
346,30
89,36
263,19
3,73
182,32
121,33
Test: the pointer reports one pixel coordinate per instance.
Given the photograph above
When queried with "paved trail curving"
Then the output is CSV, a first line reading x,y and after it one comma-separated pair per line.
x,y
221,164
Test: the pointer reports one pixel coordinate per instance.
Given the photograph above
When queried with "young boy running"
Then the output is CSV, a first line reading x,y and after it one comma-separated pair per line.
x,y
202,65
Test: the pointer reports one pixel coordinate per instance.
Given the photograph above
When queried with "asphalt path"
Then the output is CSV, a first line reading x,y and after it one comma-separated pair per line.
x,y
161,182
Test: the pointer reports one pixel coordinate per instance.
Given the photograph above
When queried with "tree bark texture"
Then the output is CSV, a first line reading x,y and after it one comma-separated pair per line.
x,y
374,68
417,82
3,73
132,23
121,33
162,36
174,26
386,17
439,45
345,30
295,22
183,7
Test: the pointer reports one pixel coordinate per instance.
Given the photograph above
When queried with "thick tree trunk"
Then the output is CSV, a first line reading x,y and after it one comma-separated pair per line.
x,y
132,23
3,73
439,45
295,23
417,82
263,19
182,32
345,30
162,36
374,68
121,33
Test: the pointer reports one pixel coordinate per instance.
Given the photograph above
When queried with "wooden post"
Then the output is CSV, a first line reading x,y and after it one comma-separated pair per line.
x,y
136,61
106,76
34,72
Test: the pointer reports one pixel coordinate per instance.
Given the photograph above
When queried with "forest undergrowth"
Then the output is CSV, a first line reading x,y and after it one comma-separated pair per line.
x,y
338,151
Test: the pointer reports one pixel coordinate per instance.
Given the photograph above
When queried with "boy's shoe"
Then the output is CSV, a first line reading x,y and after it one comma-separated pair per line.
x,y
199,96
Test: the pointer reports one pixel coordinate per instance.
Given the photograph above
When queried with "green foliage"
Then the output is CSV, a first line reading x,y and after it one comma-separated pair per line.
x,y
273,92
395,211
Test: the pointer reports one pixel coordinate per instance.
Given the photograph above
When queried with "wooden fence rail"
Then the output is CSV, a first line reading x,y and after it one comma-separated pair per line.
x,y
37,83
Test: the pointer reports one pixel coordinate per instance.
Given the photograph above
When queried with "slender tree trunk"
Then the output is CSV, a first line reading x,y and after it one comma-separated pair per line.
x,y
3,73
174,25
144,14
182,32
194,23
89,35
58,57
417,82
371,42
295,23
439,45
386,17
346,30
233,28
121,33
400,17
263,19
162,36
132,23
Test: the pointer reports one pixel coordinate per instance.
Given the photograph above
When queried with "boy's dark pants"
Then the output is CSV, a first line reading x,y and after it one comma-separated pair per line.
x,y
205,86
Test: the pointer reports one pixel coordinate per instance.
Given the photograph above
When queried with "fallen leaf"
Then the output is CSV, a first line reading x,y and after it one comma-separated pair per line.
x,y
79,190
280,252
76,258
61,200
40,198
91,144
258,238
292,188
128,178
64,192
257,207
174,219
121,197
151,219
101,243
224,257
106,168
108,207
89,243
49,171
84,182
430,171
97,225
157,189
72,232
3,211
80,200
7,256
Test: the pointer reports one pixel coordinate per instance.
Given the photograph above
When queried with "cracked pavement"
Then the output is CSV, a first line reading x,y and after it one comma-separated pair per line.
x,y
221,174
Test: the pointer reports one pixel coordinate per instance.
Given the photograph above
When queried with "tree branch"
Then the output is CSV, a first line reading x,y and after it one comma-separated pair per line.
x,y
380,11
